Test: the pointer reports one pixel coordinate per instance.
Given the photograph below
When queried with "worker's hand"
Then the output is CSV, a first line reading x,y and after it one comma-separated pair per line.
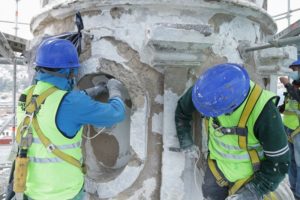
x,y
94,91
247,192
192,152
115,88
284,80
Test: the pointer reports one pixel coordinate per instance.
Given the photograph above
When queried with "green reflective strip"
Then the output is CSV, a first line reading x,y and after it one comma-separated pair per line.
x,y
245,156
61,147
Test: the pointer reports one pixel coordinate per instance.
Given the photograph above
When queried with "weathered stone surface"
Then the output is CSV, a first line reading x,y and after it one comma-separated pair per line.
x,y
157,49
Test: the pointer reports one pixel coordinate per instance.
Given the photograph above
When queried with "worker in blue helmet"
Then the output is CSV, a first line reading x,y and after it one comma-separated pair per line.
x,y
291,112
248,155
51,116
294,75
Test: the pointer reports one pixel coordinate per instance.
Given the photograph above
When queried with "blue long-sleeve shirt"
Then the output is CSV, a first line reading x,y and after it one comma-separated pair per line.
x,y
77,108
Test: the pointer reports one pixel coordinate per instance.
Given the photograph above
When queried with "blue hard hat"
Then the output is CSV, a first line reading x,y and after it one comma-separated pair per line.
x,y
221,89
295,64
57,53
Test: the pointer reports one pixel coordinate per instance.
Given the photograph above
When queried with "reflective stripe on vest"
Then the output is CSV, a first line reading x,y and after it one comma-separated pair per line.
x,y
61,147
239,157
230,147
47,160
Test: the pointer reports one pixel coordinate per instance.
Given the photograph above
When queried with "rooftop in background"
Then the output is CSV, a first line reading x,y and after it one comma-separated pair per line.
x,y
9,45
290,31
17,44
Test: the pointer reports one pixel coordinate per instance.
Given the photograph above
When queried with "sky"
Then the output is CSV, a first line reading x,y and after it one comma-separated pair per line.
x,y
29,8
276,7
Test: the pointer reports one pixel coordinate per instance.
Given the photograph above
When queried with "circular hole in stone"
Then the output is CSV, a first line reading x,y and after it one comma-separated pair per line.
x,y
108,153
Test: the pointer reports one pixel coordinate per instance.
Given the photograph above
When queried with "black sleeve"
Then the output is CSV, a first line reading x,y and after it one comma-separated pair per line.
x,y
293,92
269,131
183,118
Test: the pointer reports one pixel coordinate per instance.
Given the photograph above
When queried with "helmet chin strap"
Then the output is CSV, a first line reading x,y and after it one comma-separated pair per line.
x,y
55,73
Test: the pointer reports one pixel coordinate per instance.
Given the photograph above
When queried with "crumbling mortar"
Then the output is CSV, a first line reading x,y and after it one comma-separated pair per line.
x,y
204,29
150,79
91,13
147,74
117,12
130,80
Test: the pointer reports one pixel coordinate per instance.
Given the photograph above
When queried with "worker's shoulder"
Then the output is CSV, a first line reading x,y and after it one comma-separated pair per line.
x,y
76,97
26,90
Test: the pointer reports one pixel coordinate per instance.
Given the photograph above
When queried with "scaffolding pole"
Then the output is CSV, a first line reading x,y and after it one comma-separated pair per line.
x,y
14,98
15,77
275,43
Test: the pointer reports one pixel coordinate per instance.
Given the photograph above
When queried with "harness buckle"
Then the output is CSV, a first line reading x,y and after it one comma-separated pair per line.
x,y
26,141
227,130
50,148
222,182
30,116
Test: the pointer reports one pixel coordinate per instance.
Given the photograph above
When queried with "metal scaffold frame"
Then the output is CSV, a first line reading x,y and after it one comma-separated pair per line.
x,y
9,45
286,15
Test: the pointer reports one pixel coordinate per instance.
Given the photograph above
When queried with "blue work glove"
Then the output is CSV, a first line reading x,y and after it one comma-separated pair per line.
x,y
115,88
192,152
248,192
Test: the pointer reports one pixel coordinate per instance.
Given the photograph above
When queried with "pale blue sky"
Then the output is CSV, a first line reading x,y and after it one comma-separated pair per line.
x,y
28,8
276,7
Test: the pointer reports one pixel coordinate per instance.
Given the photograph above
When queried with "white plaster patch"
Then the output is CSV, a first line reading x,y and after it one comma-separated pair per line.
x,y
170,103
193,179
146,191
157,123
138,142
138,131
106,50
123,181
89,66
124,29
229,36
159,99
172,186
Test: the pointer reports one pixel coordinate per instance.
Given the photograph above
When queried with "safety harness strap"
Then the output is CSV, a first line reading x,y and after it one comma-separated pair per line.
x,y
51,147
253,98
221,181
35,103
270,196
29,95
237,185
242,139
32,106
